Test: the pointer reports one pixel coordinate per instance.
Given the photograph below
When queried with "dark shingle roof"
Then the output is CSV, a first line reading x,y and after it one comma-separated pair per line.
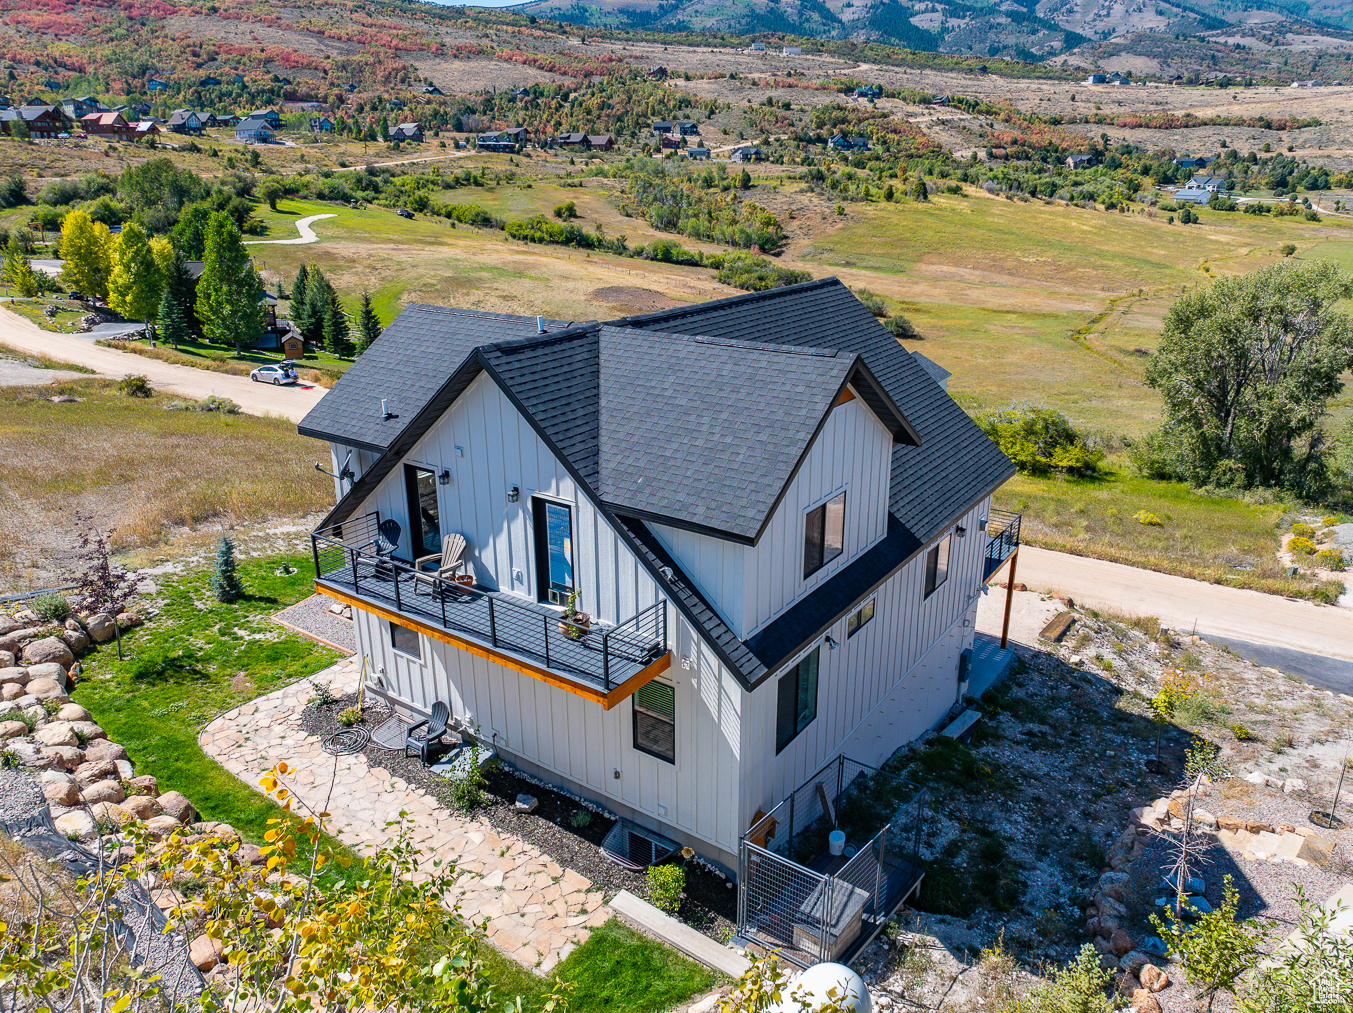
x,y
603,397
406,365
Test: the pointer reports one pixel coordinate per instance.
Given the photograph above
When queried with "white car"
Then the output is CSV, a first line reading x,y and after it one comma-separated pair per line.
x,y
276,375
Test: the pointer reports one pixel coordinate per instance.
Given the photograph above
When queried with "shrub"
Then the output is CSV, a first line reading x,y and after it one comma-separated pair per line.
x,y
52,607
1287,249
1331,520
580,819
1040,440
873,303
1301,545
1302,530
1148,518
8,759
1242,733
1331,559
903,328
566,210
1080,986
135,386
666,885
218,404
324,695
350,717
465,790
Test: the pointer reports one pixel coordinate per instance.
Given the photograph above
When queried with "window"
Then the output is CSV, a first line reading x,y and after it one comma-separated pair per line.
x,y
937,566
655,721
797,704
424,520
824,534
859,618
406,641
554,551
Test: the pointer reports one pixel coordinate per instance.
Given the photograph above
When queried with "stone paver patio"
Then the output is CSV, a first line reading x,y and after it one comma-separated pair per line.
x,y
538,912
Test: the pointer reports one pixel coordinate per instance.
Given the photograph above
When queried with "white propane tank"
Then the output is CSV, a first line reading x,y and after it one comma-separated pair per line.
x,y
814,984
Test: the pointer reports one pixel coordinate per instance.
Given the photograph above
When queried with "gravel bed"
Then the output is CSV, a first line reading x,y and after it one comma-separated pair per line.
x,y
312,616
710,903
21,799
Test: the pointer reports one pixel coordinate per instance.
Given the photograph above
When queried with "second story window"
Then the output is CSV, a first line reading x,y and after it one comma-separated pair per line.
x,y
796,704
937,566
859,617
824,534
554,551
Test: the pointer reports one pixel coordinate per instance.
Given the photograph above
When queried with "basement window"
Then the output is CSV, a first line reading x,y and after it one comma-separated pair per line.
x,y
406,641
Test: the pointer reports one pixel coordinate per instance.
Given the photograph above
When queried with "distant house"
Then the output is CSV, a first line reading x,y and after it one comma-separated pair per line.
x,y
1192,161
747,154
869,91
269,116
1192,195
792,51
137,110
600,142
662,127
407,132
1079,161
669,141
592,142
1097,79
1212,184
253,128
321,125
498,141
758,47
226,120
79,108
939,100
209,82
521,93
145,128
394,103
686,128
658,73
108,125
698,152
43,122
186,121
155,84
431,89
841,142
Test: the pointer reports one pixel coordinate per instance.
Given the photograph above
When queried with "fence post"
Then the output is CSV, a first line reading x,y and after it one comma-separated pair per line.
x,y
394,576
840,777
791,824
742,885
440,586
880,853
825,923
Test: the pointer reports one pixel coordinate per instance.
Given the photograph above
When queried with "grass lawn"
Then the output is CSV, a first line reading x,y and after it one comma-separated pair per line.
x,y
325,368
192,661
139,470
1212,538
199,657
68,314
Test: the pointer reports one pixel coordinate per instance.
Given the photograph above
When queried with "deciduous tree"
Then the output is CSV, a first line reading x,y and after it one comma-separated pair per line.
x,y
86,246
134,281
18,270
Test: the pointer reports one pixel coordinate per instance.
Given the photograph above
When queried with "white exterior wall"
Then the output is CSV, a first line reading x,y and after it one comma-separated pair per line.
x,y
752,585
880,688
526,717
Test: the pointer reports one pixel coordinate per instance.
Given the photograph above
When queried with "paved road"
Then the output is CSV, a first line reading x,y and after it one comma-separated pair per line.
x,y
1221,613
255,398
1327,673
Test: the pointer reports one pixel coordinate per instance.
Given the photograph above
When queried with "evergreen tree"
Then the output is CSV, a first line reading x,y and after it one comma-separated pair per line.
x,y
368,325
229,291
18,270
175,317
225,583
318,295
337,333
298,290
919,191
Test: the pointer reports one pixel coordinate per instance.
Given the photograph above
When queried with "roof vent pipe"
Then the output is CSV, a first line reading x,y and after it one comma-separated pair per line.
x,y
540,325
385,408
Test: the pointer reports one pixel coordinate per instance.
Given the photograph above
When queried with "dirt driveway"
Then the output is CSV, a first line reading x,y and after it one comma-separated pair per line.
x,y
257,399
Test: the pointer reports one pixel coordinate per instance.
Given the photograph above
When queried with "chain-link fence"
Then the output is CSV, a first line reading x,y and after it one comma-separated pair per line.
x,y
796,897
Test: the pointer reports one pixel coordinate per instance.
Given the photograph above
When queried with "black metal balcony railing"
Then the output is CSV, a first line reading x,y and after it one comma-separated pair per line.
x,y
601,657
1002,539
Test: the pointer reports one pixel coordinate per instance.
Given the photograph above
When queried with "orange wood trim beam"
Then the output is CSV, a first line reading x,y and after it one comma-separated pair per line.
x,y
847,396
607,700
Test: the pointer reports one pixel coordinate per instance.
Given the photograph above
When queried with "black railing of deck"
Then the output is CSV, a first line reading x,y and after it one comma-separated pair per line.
x,y
604,656
1002,539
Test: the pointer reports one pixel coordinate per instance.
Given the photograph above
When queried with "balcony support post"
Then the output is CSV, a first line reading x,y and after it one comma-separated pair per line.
x,y
1009,597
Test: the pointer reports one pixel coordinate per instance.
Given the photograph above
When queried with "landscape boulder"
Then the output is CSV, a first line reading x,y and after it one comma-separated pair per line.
x,y
94,769
1134,961
11,691
7,659
1121,943
103,749
100,627
61,792
77,640
8,625
205,952
12,729
177,806
47,689
125,770
1114,884
103,791
1127,984
161,826
65,757
111,812
146,785
56,733
126,620
1153,978
77,823
16,674
89,730
73,712
1144,1002
48,649
143,807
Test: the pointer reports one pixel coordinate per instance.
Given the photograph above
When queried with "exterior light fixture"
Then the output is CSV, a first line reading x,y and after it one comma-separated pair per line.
x,y
513,494
830,642
445,477
960,531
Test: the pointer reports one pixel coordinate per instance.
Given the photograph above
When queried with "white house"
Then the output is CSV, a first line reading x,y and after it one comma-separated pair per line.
x,y
1212,184
773,513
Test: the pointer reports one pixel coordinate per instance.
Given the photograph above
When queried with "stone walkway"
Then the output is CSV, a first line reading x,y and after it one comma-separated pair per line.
x,y
538,912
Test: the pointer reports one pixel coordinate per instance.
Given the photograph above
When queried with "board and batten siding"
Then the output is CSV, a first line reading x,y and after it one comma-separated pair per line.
x,y
752,585
552,728
882,687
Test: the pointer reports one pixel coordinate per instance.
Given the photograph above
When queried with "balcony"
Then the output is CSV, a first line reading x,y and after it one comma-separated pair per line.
x,y
601,663
1002,539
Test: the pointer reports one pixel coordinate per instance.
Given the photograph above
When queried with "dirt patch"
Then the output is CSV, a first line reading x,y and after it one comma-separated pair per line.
x,y
474,74
627,299
218,29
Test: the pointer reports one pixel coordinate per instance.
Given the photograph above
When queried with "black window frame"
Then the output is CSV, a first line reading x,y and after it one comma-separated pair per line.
x,y
815,550
859,619
545,593
417,641
935,576
789,693
640,710
416,538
